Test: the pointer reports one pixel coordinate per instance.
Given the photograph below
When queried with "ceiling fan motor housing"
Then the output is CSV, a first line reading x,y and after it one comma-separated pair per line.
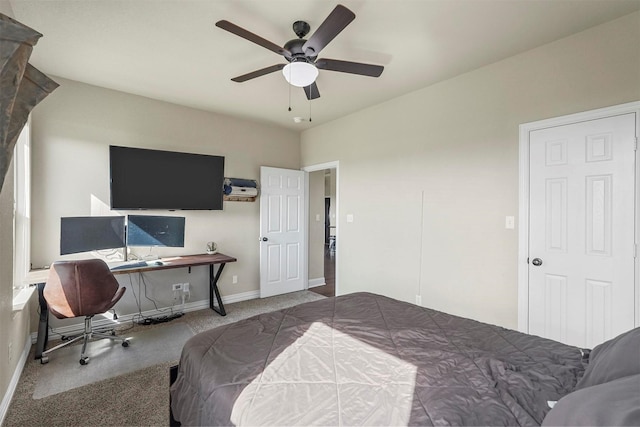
x,y
295,47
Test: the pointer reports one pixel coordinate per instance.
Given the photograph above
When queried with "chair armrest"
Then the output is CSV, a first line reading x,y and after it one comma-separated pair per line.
x,y
117,296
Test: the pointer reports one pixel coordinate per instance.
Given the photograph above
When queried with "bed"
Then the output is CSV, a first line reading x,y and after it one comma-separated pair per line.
x,y
368,359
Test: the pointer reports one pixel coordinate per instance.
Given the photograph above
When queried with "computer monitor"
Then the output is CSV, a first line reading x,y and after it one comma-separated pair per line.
x,y
91,233
148,230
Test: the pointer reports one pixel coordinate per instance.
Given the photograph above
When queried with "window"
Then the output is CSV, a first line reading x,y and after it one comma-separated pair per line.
x,y
22,209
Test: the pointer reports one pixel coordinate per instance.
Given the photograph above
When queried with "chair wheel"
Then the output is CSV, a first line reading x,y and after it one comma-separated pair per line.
x,y
84,361
125,343
44,360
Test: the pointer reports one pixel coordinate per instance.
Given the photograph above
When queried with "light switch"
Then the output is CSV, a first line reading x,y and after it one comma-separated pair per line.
x,y
349,217
318,217
509,222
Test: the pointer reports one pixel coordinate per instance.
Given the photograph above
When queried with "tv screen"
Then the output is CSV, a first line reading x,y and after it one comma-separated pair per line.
x,y
154,179
91,233
147,230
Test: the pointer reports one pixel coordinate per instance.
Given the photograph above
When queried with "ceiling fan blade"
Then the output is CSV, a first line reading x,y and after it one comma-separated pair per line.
x,y
258,73
350,67
239,31
337,20
312,91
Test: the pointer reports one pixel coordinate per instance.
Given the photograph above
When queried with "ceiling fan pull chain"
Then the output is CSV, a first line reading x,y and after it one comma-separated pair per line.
x,y
289,90
310,105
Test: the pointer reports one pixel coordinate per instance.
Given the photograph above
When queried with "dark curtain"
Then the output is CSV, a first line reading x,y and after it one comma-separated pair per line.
x,y
22,86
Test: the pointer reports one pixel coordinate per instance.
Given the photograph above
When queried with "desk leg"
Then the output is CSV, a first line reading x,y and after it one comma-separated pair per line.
x,y
213,290
43,325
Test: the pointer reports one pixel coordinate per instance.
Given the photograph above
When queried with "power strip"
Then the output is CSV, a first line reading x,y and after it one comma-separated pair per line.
x,y
160,319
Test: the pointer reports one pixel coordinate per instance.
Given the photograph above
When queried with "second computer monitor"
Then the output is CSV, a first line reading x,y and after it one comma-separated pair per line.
x,y
148,230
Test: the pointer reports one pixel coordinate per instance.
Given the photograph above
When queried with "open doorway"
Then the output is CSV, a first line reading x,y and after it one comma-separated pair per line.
x,y
322,228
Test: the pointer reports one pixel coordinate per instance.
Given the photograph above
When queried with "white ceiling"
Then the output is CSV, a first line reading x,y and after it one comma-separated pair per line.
x,y
171,50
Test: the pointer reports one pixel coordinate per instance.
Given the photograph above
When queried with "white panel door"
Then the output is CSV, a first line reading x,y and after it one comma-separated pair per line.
x,y
581,247
282,238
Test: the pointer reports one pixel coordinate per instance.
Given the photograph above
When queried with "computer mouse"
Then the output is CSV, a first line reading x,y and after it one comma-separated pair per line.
x,y
158,263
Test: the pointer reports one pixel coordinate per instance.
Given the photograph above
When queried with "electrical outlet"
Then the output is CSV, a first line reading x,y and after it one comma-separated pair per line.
x,y
419,300
177,286
234,279
185,287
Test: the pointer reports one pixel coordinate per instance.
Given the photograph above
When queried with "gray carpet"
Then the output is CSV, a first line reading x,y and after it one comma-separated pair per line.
x,y
109,359
138,398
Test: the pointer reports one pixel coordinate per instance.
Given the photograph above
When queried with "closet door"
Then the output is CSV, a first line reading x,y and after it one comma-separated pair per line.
x,y
581,237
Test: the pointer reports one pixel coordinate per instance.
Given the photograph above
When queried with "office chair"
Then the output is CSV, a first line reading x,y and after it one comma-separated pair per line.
x,y
81,288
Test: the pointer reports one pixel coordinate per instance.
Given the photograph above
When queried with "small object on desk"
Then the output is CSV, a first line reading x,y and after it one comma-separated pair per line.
x,y
212,248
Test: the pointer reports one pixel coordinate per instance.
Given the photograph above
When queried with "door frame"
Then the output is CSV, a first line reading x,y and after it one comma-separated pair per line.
x,y
313,168
523,196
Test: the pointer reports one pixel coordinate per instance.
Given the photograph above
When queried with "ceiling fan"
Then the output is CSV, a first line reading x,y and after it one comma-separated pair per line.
x,y
301,54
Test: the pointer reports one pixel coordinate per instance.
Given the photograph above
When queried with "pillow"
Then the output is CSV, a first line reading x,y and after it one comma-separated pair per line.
x,y
613,359
615,403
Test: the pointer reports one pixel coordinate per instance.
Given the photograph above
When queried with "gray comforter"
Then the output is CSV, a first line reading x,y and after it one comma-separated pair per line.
x,y
368,359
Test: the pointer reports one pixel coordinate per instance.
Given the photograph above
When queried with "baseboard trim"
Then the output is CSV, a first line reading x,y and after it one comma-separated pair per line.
x,y
6,400
317,282
190,306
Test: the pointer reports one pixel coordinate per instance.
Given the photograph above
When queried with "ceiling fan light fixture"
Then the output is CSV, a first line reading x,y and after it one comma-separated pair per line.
x,y
300,74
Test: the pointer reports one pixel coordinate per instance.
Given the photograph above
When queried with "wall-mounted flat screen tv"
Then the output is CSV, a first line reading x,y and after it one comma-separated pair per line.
x,y
147,230
91,233
155,179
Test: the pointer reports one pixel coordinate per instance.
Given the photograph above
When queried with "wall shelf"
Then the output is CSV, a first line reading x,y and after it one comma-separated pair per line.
x,y
238,198
239,185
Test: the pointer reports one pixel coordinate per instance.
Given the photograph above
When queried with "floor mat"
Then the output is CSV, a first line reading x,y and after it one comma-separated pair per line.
x,y
109,359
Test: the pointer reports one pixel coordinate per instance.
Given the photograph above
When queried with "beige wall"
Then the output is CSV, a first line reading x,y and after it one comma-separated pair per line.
x,y
430,176
316,227
6,9
71,136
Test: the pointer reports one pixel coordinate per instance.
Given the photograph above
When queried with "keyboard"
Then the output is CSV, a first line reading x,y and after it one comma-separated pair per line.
x,y
127,265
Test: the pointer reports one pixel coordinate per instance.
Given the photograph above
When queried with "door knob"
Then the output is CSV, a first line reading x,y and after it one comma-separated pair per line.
x,y
537,262
264,239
